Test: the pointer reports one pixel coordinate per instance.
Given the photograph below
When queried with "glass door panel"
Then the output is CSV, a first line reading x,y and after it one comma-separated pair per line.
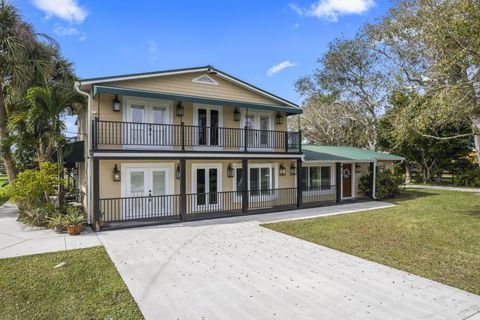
x,y
136,205
137,128
158,129
201,187
265,127
214,122
202,127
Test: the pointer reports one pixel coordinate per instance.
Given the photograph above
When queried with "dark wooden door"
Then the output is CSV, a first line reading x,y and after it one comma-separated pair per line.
x,y
347,180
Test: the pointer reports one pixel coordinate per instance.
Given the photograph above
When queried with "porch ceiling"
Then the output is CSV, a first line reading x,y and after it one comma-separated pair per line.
x,y
171,96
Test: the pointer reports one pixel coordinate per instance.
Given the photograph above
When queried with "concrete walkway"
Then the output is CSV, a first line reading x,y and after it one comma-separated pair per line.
x,y
235,269
19,240
463,189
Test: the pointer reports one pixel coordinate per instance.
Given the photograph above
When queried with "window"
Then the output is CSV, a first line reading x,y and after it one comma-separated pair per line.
x,y
316,178
261,180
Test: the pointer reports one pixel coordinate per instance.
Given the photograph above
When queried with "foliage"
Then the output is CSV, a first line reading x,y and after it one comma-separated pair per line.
x,y
426,228
388,183
74,216
38,217
469,178
56,220
33,187
88,287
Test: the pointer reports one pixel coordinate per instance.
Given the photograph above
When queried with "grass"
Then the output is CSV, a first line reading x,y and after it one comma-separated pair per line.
x,y
88,287
3,188
430,233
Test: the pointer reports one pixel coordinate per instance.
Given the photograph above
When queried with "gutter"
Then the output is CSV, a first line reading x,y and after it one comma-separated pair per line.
x,y
88,160
374,179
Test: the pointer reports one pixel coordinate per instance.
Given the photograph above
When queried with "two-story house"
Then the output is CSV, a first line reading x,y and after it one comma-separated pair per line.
x,y
193,143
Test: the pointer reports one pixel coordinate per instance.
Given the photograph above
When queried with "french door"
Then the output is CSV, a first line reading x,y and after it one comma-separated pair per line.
x,y
206,183
258,134
147,123
208,120
143,189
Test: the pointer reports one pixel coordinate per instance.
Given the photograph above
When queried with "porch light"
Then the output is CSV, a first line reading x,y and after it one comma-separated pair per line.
x,y
116,104
230,171
279,118
177,172
282,171
358,168
236,115
293,169
180,109
116,173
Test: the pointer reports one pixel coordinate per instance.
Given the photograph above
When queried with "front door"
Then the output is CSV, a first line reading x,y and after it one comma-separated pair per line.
x,y
347,180
258,134
206,184
144,190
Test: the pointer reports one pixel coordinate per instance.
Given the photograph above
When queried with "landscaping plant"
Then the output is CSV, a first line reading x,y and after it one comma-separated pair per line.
x,y
74,220
388,183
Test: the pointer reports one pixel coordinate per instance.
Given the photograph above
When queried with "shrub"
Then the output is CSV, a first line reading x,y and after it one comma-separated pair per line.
x,y
32,189
468,178
388,183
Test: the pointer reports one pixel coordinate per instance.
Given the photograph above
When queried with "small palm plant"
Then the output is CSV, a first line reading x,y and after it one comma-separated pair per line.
x,y
57,222
74,220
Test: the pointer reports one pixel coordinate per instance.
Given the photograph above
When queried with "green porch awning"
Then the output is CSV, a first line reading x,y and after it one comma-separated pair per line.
x,y
178,97
340,153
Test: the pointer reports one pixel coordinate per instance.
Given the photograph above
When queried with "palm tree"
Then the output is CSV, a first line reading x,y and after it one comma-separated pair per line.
x,y
48,106
25,59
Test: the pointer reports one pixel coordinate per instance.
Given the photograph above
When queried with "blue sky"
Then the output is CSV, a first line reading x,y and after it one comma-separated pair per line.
x,y
243,38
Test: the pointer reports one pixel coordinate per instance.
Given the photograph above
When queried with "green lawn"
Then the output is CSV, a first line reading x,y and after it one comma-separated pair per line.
x,y
3,188
431,233
88,287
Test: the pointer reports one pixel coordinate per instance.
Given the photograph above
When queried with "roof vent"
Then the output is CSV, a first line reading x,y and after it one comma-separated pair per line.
x,y
206,79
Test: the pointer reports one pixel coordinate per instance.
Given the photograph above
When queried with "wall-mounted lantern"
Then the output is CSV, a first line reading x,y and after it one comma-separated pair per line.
x,y
177,172
230,171
358,168
180,109
279,118
116,104
282,170
293,169
116,173
236,115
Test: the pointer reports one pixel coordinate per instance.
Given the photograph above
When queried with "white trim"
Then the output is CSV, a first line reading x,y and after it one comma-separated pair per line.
x,y
214,155
162,74
199,80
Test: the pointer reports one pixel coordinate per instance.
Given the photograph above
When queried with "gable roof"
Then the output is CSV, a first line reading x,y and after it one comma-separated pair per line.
x,y
341,153
209,69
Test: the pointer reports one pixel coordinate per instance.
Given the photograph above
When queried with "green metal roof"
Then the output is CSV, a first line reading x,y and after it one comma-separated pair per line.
x,y
340,153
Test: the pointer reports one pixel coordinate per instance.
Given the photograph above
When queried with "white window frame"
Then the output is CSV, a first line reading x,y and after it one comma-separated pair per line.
x,y
194,168
208,107
325,191
199,80
148,115
255,165
257,114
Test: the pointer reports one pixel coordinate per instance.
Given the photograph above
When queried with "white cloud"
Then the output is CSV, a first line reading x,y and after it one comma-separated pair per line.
x,y
279,67
67,10
65,31
332,9
152,50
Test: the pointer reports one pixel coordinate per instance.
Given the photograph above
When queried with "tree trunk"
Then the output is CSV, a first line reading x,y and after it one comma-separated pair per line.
x,y
61,175
476,136
7,154
408,174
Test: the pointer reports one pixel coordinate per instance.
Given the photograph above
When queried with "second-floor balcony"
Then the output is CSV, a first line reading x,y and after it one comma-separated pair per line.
x,y
181,137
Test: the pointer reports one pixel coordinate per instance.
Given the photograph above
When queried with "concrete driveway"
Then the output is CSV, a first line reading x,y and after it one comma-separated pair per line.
x,y
235,269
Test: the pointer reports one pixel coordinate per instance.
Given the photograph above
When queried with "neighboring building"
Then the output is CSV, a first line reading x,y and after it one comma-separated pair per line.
x,y
197,143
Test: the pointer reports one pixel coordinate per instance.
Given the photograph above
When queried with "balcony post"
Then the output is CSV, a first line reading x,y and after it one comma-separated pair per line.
x,y
183,190
182,135
96,194
299,183
371,181
286,141
338,173
299,140
245,136
94,133
244,185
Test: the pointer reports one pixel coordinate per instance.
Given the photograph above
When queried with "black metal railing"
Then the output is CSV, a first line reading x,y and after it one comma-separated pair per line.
x,y
320,194
134,208
272,198
224,202
117,133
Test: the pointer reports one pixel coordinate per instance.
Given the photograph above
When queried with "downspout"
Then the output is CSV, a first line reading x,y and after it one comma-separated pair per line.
x,y
374,179
88,165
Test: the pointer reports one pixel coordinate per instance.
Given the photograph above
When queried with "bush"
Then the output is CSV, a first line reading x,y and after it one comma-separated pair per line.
x,y
388,183
32,189
468,178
